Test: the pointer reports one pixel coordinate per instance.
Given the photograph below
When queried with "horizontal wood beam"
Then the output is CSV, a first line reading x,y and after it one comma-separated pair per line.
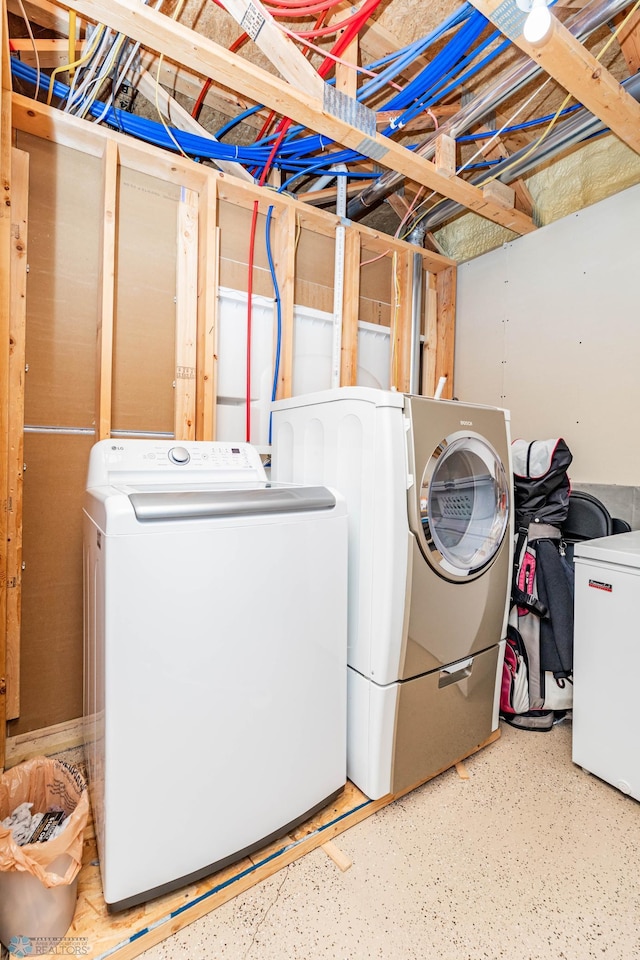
x,y
565,59
39,120
157,31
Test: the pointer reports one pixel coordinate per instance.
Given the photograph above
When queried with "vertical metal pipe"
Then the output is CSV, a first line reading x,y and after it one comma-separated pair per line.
x,y
338,280
416,237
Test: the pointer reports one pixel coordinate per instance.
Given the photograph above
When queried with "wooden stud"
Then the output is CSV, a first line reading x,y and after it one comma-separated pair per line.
x,y
284,252
446,287
445,158
347,77
51,53
208,279
629,40
350,309
398,204
495,149
500,193
5,315
186,317
430,345
402,333
106,286
462,771
19,218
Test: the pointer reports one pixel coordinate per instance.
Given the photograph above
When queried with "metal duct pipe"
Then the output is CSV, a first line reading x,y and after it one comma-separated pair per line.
x,y
581,25
581,125
416,237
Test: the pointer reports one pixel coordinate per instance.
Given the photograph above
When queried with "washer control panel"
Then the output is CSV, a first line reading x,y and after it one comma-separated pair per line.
x,y
117,461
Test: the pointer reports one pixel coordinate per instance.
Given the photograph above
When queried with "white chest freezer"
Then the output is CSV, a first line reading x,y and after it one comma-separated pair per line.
x,y
606,725
215,658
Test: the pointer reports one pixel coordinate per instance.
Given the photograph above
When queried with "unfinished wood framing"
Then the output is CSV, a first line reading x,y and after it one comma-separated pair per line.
x,y
285,267
207,323
445,337
430,344
186,317
15,460
566,60
106,285
153,301
164,35
401,329
350,313
5,315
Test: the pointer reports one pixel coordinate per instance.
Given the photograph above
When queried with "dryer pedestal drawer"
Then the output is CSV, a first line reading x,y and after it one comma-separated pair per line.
x,y
428,723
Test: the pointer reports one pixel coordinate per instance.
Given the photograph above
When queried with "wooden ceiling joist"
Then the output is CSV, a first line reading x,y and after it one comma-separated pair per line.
x,y
282,52
157,32
566,60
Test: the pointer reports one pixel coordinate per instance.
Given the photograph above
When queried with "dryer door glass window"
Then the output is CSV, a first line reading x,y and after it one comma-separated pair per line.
x,y
464,503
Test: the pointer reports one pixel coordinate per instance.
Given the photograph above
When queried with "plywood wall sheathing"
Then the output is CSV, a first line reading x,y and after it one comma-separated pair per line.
x,y
144,367
122,230
15,460
65,224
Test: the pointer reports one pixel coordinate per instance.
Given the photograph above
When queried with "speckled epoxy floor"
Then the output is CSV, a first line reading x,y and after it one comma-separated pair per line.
x,y
528,859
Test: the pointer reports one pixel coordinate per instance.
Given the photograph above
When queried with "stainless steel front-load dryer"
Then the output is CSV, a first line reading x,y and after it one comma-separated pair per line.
x,y
428,490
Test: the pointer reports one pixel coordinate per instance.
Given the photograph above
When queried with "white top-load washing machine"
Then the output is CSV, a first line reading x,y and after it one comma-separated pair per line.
x,y
428,490
215,658
606,659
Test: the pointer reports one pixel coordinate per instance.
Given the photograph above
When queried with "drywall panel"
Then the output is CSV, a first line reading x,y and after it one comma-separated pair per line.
x,y
65,226
145,304
51,642
547,327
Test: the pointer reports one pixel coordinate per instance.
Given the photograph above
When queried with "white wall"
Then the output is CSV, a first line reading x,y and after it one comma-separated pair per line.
x,y
549,327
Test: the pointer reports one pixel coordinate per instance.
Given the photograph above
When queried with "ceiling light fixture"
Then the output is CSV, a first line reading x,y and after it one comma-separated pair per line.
x,y
539,22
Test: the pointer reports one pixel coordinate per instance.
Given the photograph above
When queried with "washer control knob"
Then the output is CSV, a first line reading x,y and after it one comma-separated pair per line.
x,y
179,455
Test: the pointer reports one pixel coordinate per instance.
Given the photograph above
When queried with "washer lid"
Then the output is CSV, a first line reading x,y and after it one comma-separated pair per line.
x,y
463,508
235,500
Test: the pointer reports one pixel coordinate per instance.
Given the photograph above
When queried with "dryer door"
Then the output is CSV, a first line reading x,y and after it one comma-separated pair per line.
x,y
463,507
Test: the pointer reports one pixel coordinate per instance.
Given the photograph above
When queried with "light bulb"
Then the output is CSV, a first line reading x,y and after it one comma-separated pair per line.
x,y
537,26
